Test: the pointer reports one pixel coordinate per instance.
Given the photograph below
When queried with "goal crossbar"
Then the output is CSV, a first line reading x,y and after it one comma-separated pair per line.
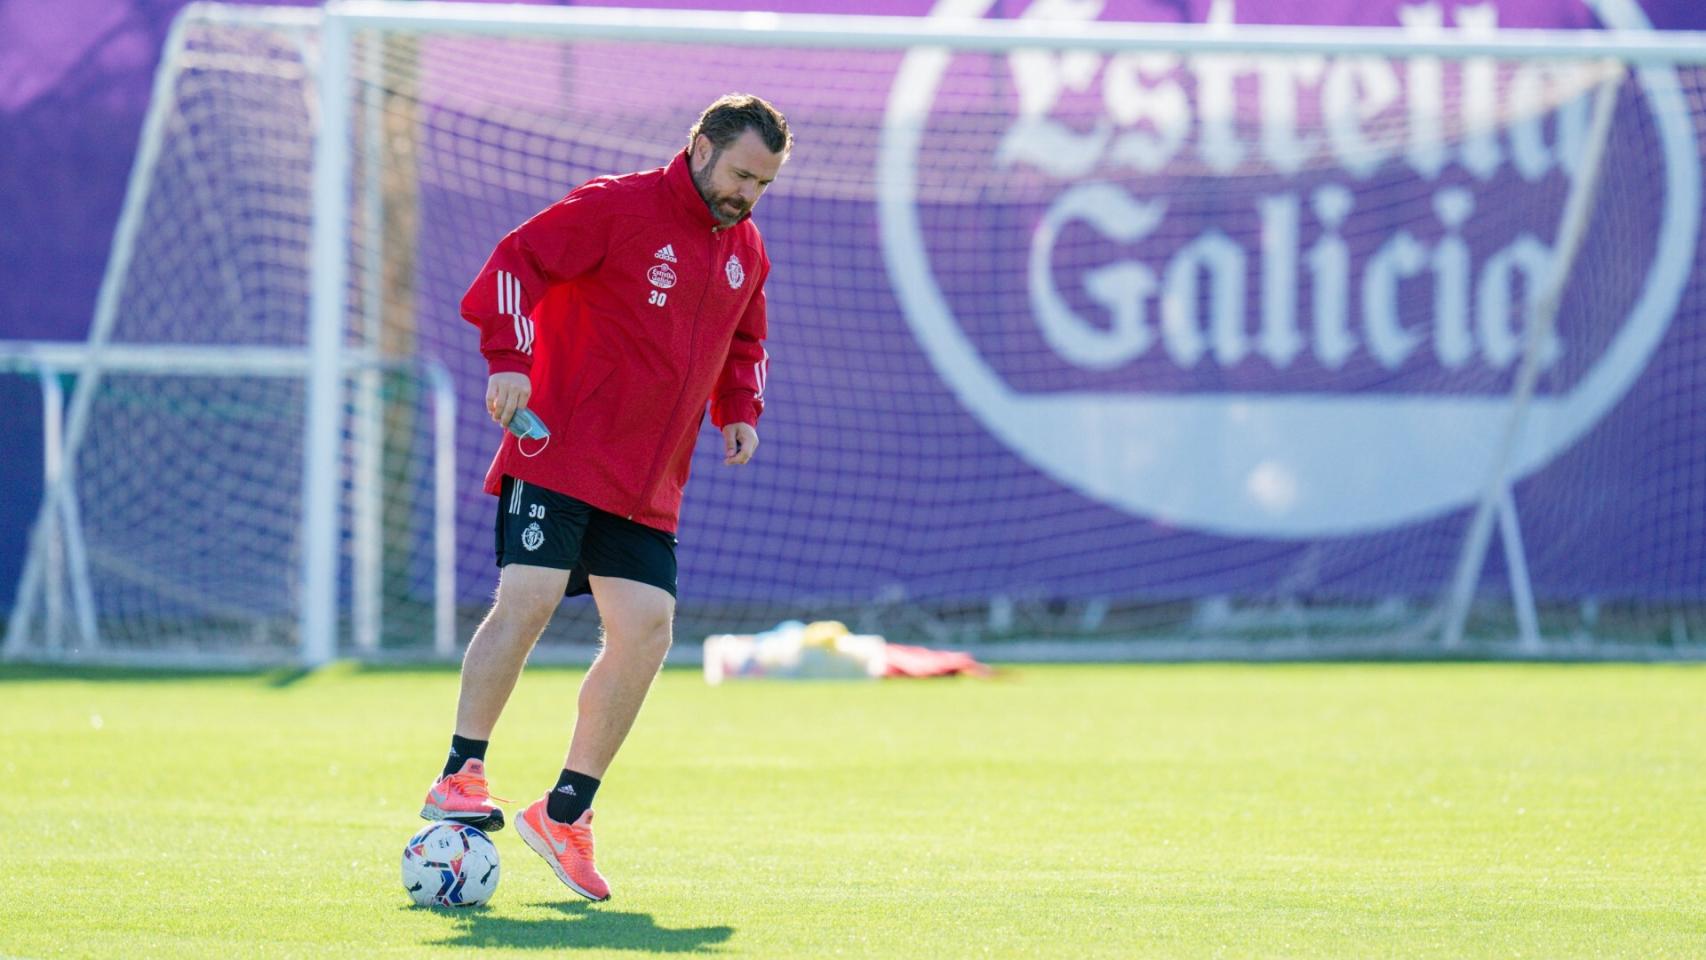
x,y
891,32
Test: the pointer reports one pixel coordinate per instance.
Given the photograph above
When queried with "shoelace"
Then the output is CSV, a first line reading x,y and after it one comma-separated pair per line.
x,y
474,786
581,838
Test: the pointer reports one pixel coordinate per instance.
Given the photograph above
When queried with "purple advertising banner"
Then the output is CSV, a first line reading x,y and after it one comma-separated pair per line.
x,y
1121,377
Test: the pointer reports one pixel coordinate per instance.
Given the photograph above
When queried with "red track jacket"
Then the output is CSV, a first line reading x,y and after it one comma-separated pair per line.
x,y
628,312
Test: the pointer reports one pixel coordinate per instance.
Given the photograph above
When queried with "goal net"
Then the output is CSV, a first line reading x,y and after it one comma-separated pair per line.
x,y
1163,339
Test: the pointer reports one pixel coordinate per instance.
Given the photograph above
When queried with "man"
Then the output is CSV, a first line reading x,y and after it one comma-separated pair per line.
x,y
614,315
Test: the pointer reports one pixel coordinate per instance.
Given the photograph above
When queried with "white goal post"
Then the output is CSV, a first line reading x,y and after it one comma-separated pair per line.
x,y
57,565
312,207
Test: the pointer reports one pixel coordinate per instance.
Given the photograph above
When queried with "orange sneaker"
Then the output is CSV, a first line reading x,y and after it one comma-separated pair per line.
x,y
567,847
463,797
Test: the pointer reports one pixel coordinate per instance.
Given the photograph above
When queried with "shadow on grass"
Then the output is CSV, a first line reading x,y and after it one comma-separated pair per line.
x,y
582,926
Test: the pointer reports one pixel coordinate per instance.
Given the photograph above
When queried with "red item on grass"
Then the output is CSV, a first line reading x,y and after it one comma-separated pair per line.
x,y
905,661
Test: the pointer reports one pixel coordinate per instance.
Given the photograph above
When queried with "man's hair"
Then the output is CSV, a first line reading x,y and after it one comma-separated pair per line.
x,y
732,114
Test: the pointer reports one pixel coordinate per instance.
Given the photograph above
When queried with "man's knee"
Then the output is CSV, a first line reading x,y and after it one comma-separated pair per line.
x,y
521,615
648,629
638,615
527,597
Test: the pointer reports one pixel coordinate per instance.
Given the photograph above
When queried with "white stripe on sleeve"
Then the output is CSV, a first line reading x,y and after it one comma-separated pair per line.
x,y
509,302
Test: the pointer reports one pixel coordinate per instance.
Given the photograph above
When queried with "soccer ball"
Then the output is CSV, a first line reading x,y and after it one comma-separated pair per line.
x,y
450,864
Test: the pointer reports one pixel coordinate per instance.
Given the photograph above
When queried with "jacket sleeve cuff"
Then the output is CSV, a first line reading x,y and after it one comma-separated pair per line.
x,y
734,408
509,361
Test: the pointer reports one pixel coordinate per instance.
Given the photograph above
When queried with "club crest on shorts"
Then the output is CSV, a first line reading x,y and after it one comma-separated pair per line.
x,y
533,538
736,273
661,276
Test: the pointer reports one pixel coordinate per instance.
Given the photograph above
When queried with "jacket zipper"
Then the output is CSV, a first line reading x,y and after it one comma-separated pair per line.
x,y
692,338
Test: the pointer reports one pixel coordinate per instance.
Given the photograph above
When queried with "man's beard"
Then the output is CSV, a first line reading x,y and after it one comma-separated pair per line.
x,y
727,209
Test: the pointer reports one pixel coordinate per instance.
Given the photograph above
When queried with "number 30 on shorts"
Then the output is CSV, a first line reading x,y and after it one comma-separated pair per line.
x,y
657,298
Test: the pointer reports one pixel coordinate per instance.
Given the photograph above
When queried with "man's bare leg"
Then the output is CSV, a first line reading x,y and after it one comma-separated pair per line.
x,y
638,620
527,598
637,628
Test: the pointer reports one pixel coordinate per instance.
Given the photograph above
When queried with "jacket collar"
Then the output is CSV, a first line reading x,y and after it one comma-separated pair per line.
x,y
680,181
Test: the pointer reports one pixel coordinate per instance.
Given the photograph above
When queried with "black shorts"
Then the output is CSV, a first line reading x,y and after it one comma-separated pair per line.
x,y
544,528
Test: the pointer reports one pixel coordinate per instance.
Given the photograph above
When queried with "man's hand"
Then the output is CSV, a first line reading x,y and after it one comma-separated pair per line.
x,y
739,442
505,394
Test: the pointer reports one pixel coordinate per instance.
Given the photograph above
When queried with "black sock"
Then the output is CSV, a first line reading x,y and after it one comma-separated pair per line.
x,y
463,749
571,797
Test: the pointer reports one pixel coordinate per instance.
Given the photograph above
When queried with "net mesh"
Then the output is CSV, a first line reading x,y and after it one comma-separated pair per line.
x,y
1065,343
188,486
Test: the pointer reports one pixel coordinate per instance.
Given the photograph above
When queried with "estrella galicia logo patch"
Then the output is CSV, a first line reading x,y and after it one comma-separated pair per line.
x,y
737,275
533,538
661,276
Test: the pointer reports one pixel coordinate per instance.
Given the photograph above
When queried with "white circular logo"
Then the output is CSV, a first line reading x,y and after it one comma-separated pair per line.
x,y
533,538
736,275
1298,462
661,276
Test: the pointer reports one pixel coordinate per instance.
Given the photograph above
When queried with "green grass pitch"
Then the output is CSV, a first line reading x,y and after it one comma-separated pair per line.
x,y
1402,810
